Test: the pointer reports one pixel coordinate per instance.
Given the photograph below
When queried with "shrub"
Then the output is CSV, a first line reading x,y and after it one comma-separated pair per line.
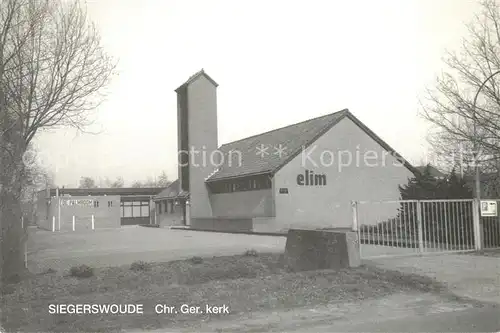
x,y
140,266
48,271
196,260
82,271
7,289
251,253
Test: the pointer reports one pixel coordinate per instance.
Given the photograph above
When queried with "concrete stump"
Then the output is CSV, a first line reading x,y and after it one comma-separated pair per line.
x,y
321,249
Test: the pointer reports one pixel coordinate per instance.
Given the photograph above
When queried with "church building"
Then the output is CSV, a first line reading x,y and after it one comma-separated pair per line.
x,y
302,175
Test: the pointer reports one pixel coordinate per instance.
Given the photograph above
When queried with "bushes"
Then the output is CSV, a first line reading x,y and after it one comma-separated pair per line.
x,y
48,271
140,265
251,253
196,260
82,271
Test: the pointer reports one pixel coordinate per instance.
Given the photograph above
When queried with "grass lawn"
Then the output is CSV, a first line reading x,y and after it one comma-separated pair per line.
x,y
244,283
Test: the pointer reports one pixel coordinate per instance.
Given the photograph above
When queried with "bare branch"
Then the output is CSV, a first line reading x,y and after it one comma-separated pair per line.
x,y
53,71
449,105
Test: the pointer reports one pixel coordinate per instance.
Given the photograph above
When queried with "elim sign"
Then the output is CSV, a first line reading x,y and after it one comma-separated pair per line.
x,y
309,178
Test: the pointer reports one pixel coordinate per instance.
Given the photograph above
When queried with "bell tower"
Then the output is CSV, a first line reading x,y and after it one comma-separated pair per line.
x,y
197,139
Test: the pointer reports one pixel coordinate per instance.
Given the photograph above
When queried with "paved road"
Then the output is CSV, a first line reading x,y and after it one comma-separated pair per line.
x,y
404,312
476,277
471,320
112,247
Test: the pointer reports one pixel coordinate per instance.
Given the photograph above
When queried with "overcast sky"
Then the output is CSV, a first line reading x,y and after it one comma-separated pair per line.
x,y
276,62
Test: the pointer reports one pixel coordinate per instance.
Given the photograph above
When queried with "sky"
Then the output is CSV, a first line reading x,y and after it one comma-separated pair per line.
x,y
276,63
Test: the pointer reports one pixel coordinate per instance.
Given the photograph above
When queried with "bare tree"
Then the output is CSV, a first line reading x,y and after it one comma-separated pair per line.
x,y
458,124
52,74
37,178
163,180
87,182
137,184
117,183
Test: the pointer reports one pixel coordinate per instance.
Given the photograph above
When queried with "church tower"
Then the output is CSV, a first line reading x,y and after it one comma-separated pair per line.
x,y
197,139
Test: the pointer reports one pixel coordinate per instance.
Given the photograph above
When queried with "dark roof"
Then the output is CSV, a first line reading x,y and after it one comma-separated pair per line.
x,y
194,77
293,137
434,172
171,192
122,191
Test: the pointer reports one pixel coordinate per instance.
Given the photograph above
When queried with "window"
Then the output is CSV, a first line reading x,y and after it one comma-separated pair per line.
x,y
243,184
96,204
110,203
145,211
127,211
135,208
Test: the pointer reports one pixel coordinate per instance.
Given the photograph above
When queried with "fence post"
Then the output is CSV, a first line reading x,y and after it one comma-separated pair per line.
x,y
93,222
419,227
74,222
53,223
156,212
355,225
59,212
354,207
477,228
26,254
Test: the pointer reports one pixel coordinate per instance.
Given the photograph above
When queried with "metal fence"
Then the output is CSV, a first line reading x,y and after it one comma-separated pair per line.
x,y
409,227
491,230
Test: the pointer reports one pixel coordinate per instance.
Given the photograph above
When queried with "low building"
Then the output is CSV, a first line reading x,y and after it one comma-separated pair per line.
x,y
56,209
302,175
171,206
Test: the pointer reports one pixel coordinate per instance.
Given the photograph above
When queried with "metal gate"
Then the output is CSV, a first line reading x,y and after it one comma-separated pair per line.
x,y
416,227
490,226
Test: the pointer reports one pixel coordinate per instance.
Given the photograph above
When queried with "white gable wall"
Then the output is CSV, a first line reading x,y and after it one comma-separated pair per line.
x,y
373,174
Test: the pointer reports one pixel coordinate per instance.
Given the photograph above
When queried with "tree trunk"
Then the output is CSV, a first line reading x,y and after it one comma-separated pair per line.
x,y
13,238
12,235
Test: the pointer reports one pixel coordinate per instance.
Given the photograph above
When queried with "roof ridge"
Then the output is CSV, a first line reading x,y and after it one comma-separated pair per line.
x,y
278,129
201,71
195,76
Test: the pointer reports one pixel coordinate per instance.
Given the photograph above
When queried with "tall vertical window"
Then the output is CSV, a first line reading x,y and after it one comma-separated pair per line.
x,y
145,211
